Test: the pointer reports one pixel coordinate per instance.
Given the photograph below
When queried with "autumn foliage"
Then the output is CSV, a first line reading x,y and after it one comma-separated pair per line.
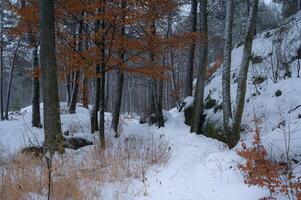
x,y
262,171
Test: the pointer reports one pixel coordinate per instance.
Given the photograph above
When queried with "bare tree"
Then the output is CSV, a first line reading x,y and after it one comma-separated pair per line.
x,y
234,137
227,112
75,89
102,97
120,81
10,79
1,60
190,64
198,118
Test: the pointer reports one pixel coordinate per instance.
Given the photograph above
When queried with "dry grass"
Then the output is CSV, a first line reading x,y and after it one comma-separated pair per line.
x,y
86,173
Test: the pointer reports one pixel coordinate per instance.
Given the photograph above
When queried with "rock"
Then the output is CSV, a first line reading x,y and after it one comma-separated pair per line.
x,y
67,133
76,142
278,93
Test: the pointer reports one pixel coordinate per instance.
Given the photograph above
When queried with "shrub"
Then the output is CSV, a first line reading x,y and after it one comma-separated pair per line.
x,y
85,175
214,132
210,103
259,170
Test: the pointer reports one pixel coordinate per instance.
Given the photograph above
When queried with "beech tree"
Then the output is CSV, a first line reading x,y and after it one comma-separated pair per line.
x,y
52,122
10,79
1,60
198,116
234,137
227,111
191,56
120,77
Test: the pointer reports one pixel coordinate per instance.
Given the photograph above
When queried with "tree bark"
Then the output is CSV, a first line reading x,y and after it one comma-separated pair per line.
x,y
52,123
198,118
10,80
118,99
85,89
68,88
189,74
156,93
120,81
74,96
94,113
234,137
102,88
1,65
226,77
35,99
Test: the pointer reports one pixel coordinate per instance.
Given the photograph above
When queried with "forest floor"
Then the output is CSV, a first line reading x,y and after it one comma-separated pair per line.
x,y
198,167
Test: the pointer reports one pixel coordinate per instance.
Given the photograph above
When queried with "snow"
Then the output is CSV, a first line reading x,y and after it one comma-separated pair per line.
x,y
201,168
187,102
279,128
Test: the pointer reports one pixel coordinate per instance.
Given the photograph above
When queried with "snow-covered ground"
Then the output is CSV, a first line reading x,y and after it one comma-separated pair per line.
x,y
200,167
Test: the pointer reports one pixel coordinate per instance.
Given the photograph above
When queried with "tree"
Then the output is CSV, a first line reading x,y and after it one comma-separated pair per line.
x,y
198,117
227,111
234,137
28,25
189,74
52,122
75,89
120,79
289,7
1,60
10,80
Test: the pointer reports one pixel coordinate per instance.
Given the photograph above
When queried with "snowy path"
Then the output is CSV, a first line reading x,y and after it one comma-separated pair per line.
x,y
200,169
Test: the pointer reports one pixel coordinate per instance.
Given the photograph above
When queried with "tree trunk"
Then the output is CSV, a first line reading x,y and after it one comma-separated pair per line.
x,y
120,81
74,96
102,89
95,109
189,74
68,88
1,65
243,76
35,99
10,80
227,111
107,93
85,89
156,95
160,117
198,118
94,113
118,99
52,123
289,7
